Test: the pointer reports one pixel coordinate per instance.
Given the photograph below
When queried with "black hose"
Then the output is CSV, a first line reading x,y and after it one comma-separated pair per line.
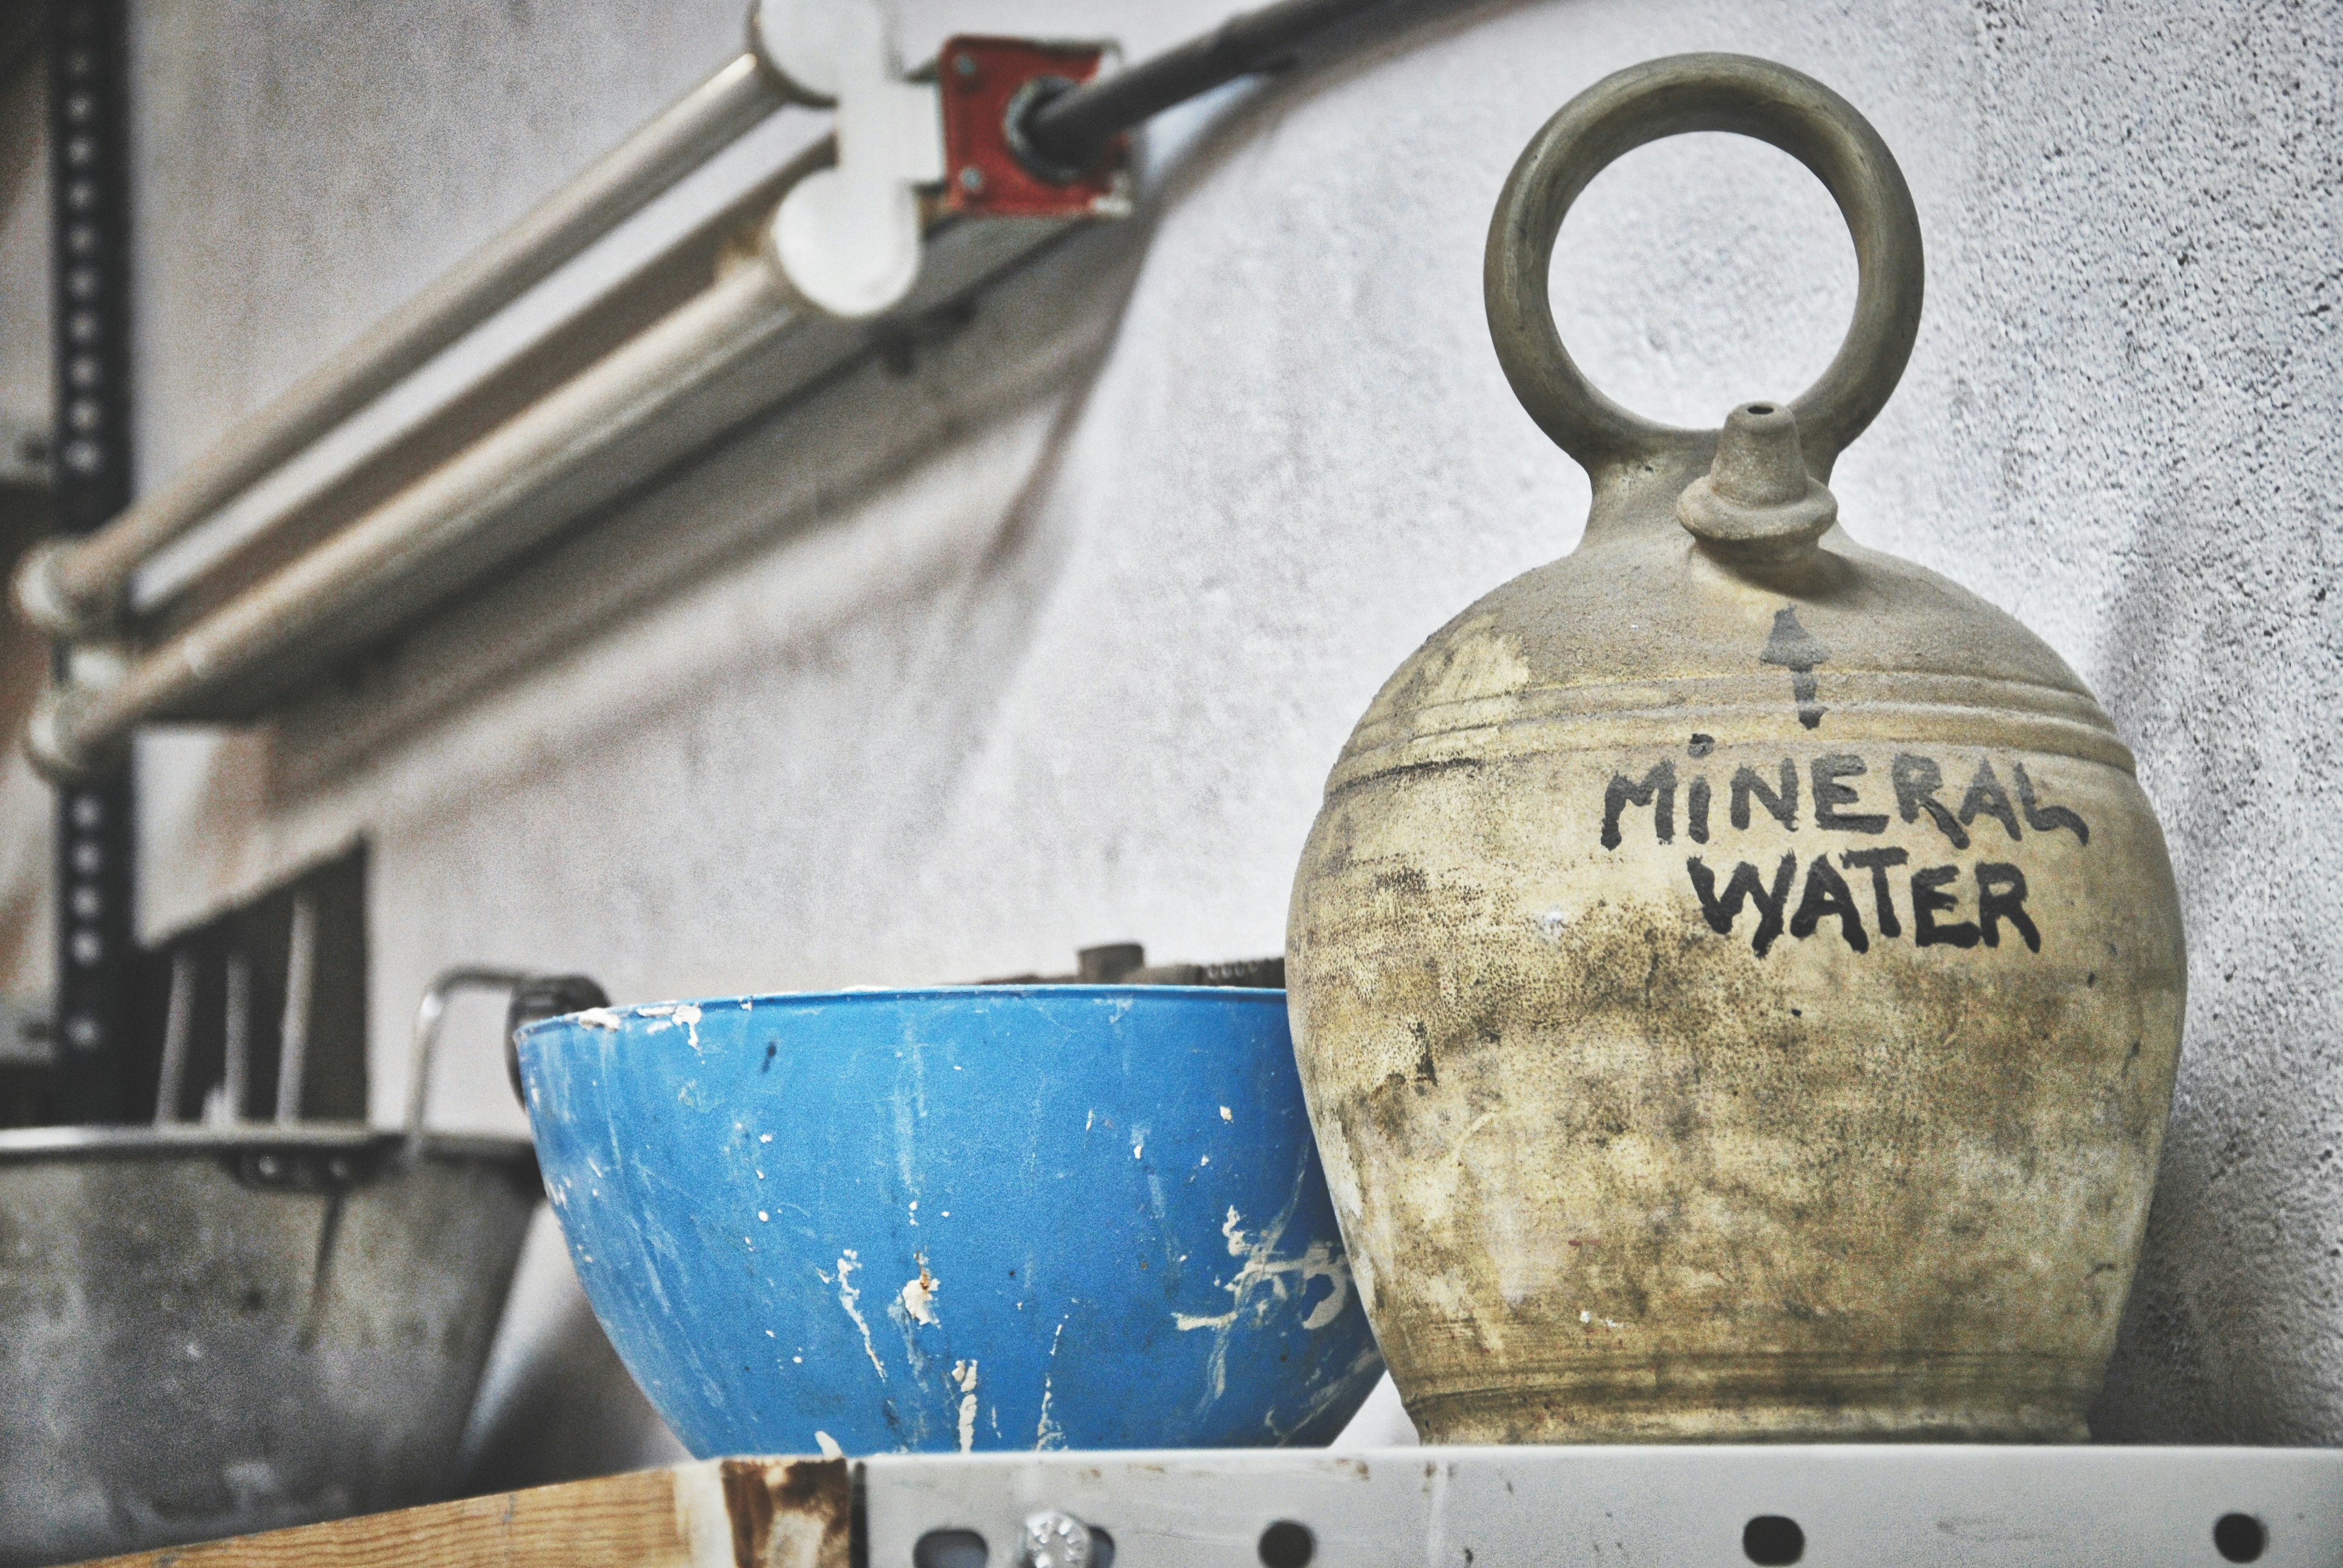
x,y
1071,128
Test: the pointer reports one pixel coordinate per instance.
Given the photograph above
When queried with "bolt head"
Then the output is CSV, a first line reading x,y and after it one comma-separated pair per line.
x,y
1056,1539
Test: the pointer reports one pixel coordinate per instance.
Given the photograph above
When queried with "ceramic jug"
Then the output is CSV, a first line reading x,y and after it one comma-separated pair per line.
x,y
1736,978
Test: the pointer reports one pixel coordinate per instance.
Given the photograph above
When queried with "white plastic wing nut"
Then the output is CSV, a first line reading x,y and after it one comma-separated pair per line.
x,y
848,236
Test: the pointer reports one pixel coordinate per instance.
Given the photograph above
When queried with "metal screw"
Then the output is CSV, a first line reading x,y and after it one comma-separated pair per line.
x,y
965,65
971,179
267,1166
1055,1540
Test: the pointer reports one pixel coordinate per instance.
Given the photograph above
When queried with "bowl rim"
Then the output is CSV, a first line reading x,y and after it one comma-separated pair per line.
x,y
612,1018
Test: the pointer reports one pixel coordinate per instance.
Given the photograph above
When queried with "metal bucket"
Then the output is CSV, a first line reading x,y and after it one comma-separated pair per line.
x,y
208,1330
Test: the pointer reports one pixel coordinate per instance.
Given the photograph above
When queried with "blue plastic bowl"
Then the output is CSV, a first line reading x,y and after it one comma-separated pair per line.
x,y
979,1218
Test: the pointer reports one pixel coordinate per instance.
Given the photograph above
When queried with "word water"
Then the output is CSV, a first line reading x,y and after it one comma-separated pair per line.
x,y
1996,888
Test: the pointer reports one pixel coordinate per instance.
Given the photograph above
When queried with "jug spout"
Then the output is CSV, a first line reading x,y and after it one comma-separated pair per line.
x,y
1757,497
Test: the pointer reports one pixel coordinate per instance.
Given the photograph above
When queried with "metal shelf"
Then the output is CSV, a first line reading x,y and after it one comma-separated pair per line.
x,y
1864,1506
1882,1506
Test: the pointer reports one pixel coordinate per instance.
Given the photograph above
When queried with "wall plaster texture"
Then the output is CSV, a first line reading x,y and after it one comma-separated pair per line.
x,y
24,389
1051,641
24,398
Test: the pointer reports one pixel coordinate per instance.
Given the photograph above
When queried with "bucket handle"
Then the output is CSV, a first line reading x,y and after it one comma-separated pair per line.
x,y
533,996
1707,92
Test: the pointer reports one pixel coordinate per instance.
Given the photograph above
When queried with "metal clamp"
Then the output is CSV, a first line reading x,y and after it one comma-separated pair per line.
x,y
1668,97
848,236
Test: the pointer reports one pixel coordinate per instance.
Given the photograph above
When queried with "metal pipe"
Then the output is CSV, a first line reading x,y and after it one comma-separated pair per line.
x,y
425,529
178,1019
389,458
78,586
236,1074
78,589
300,979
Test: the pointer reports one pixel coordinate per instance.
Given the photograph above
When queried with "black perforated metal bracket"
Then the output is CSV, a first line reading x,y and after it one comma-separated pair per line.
x,y
97,963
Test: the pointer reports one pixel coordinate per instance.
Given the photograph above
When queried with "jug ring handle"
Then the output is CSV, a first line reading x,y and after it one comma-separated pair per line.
x,y
1666,97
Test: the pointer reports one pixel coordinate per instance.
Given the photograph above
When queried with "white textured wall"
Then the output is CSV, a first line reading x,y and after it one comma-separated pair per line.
x,y
24,246
25,939
1052,641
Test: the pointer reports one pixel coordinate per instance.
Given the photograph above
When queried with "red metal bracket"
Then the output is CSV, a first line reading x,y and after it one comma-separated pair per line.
x,y
980,78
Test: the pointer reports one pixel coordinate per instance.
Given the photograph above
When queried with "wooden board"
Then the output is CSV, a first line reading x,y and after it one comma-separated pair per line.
x,y
717,1514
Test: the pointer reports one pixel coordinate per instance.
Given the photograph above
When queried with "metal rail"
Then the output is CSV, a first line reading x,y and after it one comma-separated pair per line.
x,y
1887,1505
725,354
1664,1506
80,587
741,348
72,588
342,586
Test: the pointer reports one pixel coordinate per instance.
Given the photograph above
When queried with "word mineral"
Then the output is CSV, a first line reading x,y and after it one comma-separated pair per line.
x,y
1916,783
